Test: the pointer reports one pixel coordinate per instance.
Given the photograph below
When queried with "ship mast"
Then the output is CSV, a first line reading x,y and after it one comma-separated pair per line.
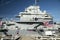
x,y
36,2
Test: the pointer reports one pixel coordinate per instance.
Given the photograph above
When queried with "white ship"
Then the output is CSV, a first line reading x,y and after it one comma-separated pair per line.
x,y
34,20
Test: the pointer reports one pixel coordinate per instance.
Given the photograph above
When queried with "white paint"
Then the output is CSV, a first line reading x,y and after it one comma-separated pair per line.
x,y
48,33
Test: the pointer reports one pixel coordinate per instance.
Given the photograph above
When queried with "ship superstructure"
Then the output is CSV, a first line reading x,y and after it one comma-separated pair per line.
x,y
33,15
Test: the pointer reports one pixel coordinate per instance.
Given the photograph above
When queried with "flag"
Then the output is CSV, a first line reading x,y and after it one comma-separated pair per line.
x,y
48,23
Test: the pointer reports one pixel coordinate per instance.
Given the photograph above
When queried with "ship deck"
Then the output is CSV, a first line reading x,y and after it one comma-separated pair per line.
x,y
33,37
39,38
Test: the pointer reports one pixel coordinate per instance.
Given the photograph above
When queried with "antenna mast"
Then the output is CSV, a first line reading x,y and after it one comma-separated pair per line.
x,y
35,2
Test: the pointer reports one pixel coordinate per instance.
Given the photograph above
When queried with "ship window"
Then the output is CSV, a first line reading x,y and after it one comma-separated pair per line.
x,y
26,11
41,30
16,27
54,22
46,15
36,19
41,23
39,37
10,24
47,18
29,9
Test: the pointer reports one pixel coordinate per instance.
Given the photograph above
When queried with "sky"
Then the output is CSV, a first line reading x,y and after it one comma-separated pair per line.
x,y
11,8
